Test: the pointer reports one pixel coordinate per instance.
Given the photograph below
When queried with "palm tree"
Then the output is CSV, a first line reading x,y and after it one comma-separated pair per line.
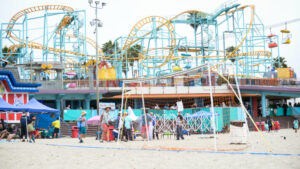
x,y
194,19
132,53
279,62
108,48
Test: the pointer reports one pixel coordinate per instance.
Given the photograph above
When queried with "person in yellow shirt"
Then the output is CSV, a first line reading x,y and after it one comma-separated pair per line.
x,y
56,125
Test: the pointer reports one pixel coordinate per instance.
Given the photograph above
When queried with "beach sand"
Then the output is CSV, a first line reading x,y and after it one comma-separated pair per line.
x,y
195,151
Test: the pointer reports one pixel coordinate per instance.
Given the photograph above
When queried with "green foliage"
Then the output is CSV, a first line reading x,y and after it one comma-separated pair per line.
x,y
10,58
194,17
109,48
282,62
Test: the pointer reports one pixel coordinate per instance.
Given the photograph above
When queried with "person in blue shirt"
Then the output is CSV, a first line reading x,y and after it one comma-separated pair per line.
x,y
128,121
82,126
296,125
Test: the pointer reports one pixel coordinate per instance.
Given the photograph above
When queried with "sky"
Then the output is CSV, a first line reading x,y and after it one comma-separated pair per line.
x,y
119,16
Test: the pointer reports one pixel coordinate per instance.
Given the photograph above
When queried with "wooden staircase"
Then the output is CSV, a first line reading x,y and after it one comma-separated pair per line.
x,y
67,126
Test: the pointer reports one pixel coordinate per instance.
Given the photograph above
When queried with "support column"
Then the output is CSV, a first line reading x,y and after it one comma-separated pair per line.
x,y
254,106
263,104
87,102
136,103
251,106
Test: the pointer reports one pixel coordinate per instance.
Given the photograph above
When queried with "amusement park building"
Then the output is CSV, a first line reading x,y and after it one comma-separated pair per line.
x,y
14,93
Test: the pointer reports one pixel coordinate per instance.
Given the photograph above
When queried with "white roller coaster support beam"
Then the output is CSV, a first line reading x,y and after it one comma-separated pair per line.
x,y
212,109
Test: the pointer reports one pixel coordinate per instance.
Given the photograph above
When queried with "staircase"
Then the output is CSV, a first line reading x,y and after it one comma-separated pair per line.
x,y
67,126
13,70
284,121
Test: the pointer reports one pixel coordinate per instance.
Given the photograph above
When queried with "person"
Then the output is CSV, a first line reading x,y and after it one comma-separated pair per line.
x,y
156,107
4,133
56,125
166,106
285,107
179,122
296,125
173,107
128,121
116,130
68,107
12,132
30,128
2,125
104,118
269,122
82,126
275,108
23,126
151,126
145,124
194,105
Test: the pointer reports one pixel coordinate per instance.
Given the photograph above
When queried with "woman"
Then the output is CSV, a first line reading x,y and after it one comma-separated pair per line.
x,y
31,131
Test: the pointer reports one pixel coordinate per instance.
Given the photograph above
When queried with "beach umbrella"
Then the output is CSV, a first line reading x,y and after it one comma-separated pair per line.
x,y
94,121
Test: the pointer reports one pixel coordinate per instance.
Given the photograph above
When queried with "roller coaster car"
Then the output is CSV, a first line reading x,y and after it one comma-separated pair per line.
x,y
176,69
272,45
286,36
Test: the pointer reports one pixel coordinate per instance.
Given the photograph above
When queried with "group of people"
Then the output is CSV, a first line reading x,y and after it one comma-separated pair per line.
x,y
7,132
124,129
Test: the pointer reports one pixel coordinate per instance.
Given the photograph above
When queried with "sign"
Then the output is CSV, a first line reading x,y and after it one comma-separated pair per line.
x,y
103,105
179,106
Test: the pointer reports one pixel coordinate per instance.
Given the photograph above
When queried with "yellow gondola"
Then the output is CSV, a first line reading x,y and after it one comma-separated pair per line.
x,y
286,35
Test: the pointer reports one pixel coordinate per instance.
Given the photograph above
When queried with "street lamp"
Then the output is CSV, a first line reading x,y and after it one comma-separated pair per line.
x,y
97,23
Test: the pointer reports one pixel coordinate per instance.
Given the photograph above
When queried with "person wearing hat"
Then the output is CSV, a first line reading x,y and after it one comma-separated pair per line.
x,y
82,126
104,124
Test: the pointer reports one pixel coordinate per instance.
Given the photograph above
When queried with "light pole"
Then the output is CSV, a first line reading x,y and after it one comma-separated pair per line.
x,y
97,24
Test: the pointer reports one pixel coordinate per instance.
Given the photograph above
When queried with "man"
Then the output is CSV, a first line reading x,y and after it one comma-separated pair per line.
x,y
104,124
56,125
151,126
128,121
23,126
179,122
82,126
145,128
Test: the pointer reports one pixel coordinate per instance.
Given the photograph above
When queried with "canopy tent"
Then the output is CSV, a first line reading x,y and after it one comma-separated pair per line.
x,y
34,106
4,106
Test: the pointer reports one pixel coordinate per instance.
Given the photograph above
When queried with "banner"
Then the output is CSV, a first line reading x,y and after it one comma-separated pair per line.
x,y
179,106
103,105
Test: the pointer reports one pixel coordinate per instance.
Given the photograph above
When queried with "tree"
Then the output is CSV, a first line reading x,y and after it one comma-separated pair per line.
x,y
229,50
194,19
132,55
281,61
11,58
109,48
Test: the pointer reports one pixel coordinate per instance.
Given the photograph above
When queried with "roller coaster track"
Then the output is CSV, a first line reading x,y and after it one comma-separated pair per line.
x,y
131,37
35,45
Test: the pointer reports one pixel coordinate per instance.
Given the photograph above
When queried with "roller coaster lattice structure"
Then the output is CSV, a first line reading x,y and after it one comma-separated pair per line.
x,y
161,48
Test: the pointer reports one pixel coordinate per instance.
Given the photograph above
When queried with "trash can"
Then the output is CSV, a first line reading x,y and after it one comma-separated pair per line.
x,y
277,125
75,131
258,126
262,125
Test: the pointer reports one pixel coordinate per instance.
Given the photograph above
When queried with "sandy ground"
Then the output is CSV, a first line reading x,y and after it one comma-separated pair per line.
x,y
196,152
